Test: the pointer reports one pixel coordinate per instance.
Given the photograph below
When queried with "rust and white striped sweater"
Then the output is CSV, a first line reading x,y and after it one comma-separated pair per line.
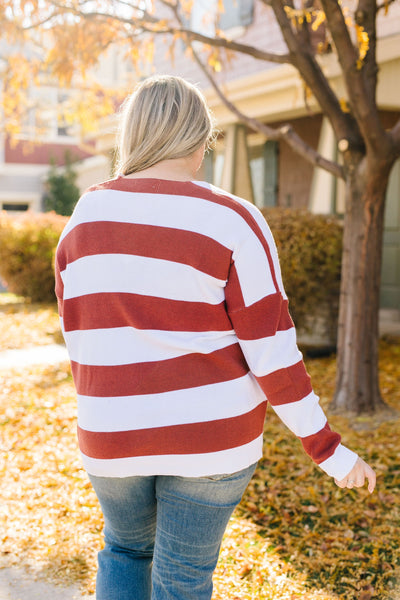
x,y
177,327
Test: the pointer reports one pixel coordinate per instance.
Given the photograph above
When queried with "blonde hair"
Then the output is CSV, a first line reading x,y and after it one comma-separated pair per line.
x,y
166,117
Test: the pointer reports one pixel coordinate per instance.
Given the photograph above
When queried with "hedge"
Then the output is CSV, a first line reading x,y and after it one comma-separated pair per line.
x,y
27,245
310,252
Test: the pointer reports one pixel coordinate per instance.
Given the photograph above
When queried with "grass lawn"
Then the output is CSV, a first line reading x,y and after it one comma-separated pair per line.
x,y
295,534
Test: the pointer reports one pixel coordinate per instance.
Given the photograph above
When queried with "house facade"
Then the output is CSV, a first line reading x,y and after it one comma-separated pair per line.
x,y
46,138
24,169
271,173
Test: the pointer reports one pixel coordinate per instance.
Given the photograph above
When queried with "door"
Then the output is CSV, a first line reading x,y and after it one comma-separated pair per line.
x,y
390,287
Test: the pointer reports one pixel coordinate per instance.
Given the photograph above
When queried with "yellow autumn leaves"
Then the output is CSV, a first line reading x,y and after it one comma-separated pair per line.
x,y
295,535
316,18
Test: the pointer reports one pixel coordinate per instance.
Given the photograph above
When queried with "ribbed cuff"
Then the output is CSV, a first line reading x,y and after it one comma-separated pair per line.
x,y
340,463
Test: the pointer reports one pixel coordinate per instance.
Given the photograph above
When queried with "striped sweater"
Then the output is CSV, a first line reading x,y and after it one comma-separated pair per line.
x,y
178,331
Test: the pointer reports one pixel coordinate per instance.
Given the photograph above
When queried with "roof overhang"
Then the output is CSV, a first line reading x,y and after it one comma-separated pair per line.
x,y
280,94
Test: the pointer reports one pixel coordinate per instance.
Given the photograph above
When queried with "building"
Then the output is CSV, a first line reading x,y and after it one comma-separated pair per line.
x,y
24,168
270,173
46,138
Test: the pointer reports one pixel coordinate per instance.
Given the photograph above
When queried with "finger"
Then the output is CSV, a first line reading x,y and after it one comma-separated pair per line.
x,y
341,484
359,481
371,476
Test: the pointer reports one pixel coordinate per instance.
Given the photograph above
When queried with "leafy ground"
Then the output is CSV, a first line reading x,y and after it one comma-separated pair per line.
x,y
295,535
24,325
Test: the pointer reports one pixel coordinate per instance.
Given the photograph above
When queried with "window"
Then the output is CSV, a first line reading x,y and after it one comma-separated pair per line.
x,y
206,18
46,118
14,206
264,173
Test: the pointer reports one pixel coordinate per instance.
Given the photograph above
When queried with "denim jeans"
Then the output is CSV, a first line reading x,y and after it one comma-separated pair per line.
x,y
163,534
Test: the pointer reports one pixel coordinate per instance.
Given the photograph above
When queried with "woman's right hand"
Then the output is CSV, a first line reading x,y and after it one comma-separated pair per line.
x,y
357,476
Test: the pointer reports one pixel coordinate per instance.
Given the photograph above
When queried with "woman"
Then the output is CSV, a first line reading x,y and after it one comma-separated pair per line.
x,y
178,331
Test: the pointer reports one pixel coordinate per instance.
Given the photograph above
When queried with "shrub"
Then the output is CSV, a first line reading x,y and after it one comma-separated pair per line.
x,y
27,246
62,193
310,251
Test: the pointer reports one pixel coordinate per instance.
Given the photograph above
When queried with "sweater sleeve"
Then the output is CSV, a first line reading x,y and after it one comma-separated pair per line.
x,y
258,309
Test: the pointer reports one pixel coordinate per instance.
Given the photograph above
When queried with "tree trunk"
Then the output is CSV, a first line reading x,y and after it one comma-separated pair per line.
x,y
357,385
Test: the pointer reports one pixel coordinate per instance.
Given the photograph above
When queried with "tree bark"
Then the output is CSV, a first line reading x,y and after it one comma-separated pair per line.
x,y
357,385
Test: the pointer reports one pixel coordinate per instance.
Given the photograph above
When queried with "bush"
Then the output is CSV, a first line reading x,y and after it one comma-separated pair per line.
x,y
62,193
310,252
27,246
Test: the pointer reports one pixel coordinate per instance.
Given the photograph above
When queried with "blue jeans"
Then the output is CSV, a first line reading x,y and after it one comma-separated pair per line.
x,y
163,534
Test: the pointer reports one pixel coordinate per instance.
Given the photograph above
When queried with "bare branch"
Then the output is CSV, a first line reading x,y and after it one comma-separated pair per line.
x,y
284,133
365,17
39,23
173,5
363,106
145,21
128,4
303,59
94,13
384,5
221,42
347,53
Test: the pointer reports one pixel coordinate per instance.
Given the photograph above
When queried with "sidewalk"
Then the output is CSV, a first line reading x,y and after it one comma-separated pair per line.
x,y
389,322
18,584
51,354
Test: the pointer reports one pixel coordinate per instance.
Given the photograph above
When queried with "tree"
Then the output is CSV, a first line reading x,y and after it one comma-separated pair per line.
x,y
62,193
78,32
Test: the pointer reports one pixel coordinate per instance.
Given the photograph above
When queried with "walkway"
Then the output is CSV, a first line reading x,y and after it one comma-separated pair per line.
x,y
18,584
50,354
53,354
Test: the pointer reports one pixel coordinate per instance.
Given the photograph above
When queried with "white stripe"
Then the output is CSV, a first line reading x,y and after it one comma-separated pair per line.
x,y
189,213
140,275
254,273
181,212
266,231
340,463
261,222
304,417
184,465
266,355
194,405
126,345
